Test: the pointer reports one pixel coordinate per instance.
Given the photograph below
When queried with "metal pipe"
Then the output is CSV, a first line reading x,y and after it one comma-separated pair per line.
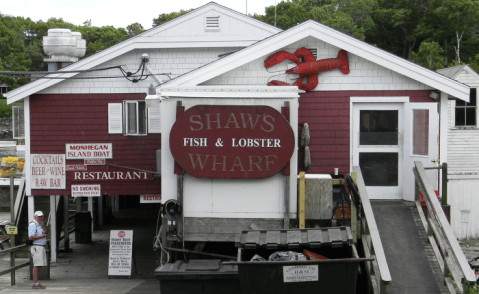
x,y
150,71
200,253
132,168
303,262
444,183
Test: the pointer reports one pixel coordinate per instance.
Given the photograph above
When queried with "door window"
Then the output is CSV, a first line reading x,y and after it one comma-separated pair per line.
x,y
378,127
420,132
379,168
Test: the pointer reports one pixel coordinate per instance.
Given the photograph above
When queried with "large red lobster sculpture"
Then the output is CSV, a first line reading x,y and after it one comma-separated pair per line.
x,y
310,67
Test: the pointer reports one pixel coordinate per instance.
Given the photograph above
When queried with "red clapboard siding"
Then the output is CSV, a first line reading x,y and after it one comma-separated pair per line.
x,y
327,114
58,119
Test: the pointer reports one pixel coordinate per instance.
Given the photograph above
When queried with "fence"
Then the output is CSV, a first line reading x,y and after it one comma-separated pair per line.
x,y
453,263
13,267
368,236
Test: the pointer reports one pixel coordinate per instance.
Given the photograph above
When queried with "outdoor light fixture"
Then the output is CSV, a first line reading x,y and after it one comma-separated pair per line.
x,y
434,95
152,99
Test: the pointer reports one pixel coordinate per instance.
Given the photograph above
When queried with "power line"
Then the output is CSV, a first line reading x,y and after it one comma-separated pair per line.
x,y
132,77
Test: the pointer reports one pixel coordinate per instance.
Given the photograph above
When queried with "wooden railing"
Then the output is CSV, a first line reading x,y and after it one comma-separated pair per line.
x,y
368,235
13,267
449,254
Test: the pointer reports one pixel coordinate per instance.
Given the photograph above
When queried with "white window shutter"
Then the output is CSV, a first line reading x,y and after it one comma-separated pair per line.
x,y
115,118
154,120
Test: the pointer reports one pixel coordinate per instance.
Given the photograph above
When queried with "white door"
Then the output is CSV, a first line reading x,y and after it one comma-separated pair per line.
x,y
377,147
422,137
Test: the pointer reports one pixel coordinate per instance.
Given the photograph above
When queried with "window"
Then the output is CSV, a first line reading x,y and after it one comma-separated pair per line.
x,y
131,118
420,138
135,118
466,113
18,119
378,127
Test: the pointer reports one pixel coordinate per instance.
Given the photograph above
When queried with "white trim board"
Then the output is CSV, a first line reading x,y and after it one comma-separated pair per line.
x,y
224,92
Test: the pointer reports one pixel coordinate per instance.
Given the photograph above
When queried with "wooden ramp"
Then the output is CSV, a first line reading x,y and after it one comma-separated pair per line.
x,y
413,266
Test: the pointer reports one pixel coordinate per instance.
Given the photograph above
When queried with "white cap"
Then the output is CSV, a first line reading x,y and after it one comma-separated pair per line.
x,y
38,213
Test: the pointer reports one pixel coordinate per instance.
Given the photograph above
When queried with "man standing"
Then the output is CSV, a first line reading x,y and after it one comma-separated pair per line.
x,y
38,234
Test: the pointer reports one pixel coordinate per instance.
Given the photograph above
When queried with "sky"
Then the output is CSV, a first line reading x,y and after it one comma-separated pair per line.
x,y
118,13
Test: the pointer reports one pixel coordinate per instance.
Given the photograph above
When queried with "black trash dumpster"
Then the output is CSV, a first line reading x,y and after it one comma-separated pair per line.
x,y
307,261
209,276
83,229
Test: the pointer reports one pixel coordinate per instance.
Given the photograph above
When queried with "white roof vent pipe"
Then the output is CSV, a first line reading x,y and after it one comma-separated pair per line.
x,y
64,47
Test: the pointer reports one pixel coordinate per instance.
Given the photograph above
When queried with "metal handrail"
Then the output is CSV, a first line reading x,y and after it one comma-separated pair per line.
x,y
452,260
13,268
371,241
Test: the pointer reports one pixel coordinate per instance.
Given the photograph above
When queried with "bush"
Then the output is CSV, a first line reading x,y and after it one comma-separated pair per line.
x,y
6,110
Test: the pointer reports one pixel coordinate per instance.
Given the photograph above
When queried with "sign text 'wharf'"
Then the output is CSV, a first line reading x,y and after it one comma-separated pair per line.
x,y
243,142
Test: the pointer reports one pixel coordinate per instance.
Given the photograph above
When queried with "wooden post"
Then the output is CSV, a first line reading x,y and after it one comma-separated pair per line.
x,y
287,174
90,209
100,210
12,210
12,237
286,202
444,183
12,265
116,203
301,200
354,221
66,230
179,197
78,201
53,227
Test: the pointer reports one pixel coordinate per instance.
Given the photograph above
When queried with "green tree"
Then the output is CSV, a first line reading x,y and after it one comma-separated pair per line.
x,y
352,17
397,25
165,17
462,17
100,38
134,29
12,49
288,14
430,55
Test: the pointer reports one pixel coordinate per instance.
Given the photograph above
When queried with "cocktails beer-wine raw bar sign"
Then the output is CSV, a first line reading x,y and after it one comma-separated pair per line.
x,y
48,171
242,142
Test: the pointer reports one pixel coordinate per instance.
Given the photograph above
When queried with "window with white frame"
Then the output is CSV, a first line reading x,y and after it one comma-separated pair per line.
x,y
466,112
18,121
132,118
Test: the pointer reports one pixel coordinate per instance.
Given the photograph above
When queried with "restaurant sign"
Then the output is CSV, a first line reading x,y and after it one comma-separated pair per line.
x,y
242,142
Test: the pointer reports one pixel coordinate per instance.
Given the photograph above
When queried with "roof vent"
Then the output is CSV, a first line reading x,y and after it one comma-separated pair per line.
x,y
212,23
63,46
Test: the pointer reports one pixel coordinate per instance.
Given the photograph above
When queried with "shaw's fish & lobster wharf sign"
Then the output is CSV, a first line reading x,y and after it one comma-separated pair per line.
x,y
242,142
